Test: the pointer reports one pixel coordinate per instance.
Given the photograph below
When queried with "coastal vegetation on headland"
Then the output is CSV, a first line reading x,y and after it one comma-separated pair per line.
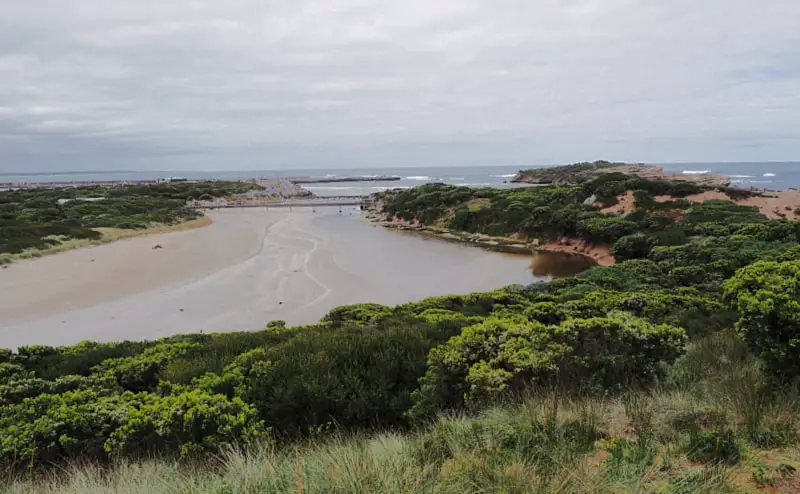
x,y
611,215
583,172
37,221
673,370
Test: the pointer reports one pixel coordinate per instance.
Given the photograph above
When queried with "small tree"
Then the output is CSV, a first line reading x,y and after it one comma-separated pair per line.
x,y
767,297
636,246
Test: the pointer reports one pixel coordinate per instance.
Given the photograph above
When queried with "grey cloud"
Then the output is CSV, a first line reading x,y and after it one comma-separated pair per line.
x,y
243,84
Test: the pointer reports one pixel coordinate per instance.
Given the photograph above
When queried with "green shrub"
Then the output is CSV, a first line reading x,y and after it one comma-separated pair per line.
x,y
767,296
142,372
777,436
47,428
548,313
188,423
628,456
92,425
606,229
502,357
630,275
636,246
81,358
359,314
357,378
715,446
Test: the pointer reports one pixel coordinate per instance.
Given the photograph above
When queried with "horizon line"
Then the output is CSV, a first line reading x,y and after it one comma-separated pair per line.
x,y
107,172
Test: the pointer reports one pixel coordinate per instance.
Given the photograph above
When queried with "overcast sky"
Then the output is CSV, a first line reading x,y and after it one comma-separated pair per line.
x,y
265,84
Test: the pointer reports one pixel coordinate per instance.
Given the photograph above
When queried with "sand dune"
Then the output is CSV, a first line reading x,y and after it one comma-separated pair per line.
x,y
247,268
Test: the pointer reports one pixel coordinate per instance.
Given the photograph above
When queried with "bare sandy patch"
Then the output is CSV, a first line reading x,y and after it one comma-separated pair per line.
x,y
626,203
247,268
777,204
109,235
771,204
81,278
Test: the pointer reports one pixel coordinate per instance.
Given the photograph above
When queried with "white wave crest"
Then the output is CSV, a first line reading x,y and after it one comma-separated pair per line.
x,y
387,188
510,175
419,177
695,172
768,175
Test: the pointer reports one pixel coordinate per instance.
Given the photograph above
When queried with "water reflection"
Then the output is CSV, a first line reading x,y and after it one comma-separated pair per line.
x,y
559,264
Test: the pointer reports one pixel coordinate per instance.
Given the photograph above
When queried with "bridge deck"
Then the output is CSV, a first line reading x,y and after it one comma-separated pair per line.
x,y
285,203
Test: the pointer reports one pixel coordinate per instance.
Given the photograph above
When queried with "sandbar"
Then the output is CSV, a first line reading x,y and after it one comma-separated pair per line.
x,y
247,268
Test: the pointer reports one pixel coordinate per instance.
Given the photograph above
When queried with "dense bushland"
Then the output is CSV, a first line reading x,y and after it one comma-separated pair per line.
x,y
551,212
41,218
665,372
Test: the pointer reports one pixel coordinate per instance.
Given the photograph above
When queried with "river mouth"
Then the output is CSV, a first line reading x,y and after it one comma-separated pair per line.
x,y
559,264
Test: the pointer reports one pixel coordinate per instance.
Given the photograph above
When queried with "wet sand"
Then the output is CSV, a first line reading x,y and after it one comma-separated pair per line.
x,y
247,268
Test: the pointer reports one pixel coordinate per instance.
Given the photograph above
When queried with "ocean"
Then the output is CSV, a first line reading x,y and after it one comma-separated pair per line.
x,y
763,175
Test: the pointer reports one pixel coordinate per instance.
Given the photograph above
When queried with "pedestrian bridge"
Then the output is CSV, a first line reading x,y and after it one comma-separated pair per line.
x,y
315,202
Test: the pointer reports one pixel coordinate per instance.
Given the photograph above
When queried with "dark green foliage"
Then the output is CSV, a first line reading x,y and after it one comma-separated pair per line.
x,y
352,377
77,359
547,313
215,352
142,372
607,331
777,436
574,173
636,246
94,425
767,296
546,211
628,276
715,446
35,219
187,423
474,304
502,356
357,314
606,229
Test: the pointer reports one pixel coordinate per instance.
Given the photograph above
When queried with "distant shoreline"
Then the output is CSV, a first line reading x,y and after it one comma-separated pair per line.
x,y
598,254
119,183
332,180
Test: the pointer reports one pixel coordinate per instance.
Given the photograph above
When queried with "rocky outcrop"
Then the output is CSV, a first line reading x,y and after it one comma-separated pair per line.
x,y
581,172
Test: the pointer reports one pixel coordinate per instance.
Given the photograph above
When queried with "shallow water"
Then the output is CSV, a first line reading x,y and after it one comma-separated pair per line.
x,y
295,266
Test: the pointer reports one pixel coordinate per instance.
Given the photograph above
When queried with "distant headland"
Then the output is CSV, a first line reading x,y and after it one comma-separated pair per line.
x,y
583,172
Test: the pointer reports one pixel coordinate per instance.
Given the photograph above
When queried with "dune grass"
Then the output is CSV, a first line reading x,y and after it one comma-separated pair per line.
x,y
108,235
545,445
715,433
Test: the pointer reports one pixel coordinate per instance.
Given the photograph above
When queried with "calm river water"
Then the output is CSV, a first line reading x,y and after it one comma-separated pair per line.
x,y
248,268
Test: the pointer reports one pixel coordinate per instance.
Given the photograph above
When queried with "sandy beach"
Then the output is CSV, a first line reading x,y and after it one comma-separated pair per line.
x,y
247,268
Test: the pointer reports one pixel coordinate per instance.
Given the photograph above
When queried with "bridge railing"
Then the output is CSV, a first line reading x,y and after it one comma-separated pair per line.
x,y
255,203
